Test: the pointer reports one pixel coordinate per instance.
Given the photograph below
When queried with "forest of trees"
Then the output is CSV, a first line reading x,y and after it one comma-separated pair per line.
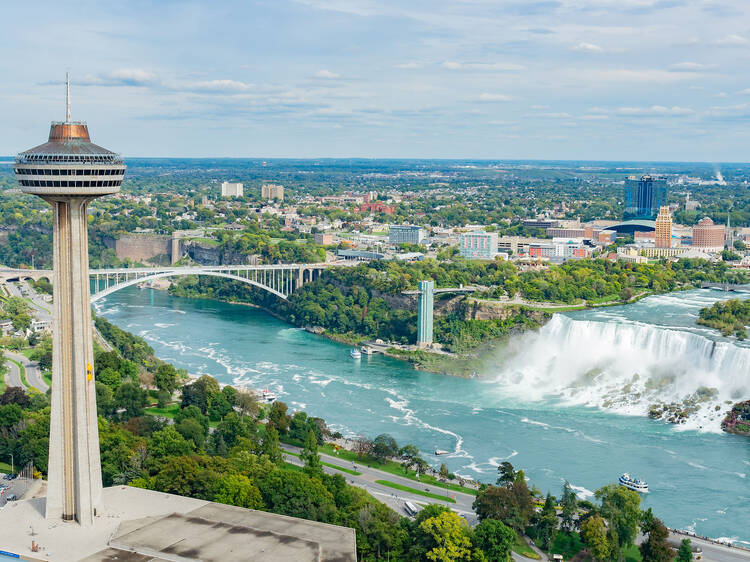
x,y
730,317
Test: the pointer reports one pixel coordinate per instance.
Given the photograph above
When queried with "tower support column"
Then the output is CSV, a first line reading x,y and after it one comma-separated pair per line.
x,y
74,490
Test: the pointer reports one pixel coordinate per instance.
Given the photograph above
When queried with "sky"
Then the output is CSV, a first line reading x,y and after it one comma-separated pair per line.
x,y
486,79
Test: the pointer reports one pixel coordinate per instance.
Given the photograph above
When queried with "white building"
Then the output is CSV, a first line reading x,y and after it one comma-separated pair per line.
x,y
229,189
478,245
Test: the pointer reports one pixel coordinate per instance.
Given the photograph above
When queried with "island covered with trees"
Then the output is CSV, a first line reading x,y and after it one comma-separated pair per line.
x,y
730,317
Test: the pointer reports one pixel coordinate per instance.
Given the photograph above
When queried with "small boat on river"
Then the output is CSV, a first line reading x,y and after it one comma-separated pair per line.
x,y
635,484
355,353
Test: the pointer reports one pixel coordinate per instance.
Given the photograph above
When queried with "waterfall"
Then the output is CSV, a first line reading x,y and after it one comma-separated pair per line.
x,y
626,367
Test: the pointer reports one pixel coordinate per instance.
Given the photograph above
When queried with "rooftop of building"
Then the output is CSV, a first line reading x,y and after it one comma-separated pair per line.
x,y
146,525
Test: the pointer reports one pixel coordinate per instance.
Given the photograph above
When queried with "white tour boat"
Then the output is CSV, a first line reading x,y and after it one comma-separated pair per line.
x,y
355,353
633,483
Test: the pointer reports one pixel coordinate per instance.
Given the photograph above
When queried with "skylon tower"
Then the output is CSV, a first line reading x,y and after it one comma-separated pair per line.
x,y
69,171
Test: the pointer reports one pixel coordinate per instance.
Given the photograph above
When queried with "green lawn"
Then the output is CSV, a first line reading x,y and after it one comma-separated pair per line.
x,y
415,491
47,376
27,352
169,412
522,547
4,467
22,371
329,465
392,468
632,554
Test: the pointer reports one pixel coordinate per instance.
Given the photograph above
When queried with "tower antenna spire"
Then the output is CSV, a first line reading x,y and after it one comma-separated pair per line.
x,y
67,97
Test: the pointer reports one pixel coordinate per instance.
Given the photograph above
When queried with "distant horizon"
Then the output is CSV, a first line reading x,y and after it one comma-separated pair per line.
x,y
417,159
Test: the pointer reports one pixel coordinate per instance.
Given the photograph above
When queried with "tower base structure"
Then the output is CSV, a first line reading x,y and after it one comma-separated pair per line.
x,y
74,489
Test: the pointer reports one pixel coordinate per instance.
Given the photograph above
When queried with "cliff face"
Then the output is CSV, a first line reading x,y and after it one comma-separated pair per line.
x,y
475,309
737,419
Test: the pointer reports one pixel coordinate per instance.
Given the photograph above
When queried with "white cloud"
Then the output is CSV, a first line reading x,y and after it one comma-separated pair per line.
x,y
595,117
219,86
588,48
499,66
682,66
732,40
746,92
655,110
128,77
538,107
644,75
488,97
327,74
555,115
408,65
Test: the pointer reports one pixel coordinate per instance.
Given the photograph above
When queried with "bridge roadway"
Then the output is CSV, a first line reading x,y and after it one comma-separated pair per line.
x,y
733,287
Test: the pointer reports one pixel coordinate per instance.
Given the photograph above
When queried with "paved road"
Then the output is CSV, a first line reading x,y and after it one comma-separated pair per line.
x,y
713,552
394,498
13,377
33,372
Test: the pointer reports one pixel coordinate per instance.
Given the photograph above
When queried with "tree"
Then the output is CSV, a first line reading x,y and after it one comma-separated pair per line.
x,y
383,447
277,416
165,377
506,474
271,446
132,398
656,548
14,395
594,535
110,377
21,322
237,489
105,400
297,495
512,505
247,403
408,453
362,446
218,407
685,553
309,455
169,443
569,506
192,430
621,509
194,413
447,536
444,472
547,523
232,428
495,539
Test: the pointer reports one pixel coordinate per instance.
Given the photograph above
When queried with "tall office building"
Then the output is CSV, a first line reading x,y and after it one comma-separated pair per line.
x,y
272,191
69,172
230,189
644,196
405,234
424,313
663,231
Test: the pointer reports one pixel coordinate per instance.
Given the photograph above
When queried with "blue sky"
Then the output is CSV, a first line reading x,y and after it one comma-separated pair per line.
x,y
550,79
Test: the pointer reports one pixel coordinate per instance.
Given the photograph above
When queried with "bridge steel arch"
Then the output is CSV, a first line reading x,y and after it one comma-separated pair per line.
x,y
114,288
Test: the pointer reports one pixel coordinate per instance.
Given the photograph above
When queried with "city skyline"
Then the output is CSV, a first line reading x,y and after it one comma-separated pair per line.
x,y
635,80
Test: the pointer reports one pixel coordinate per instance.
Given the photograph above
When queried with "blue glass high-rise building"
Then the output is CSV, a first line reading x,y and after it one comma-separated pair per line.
x,y
644,196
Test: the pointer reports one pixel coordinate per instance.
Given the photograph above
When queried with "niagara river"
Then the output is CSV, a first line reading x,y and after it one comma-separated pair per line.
x,y
567,403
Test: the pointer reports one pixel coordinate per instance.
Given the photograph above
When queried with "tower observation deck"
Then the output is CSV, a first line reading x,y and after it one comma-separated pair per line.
x,y
69,171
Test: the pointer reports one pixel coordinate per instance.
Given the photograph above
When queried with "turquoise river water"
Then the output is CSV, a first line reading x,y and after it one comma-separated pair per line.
x,y
568,402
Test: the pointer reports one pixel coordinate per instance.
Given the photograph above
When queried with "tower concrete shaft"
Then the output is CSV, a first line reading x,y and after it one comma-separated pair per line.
x,y
69,171
74,488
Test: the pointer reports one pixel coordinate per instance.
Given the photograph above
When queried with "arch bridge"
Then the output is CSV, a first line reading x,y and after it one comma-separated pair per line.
x,y
278,279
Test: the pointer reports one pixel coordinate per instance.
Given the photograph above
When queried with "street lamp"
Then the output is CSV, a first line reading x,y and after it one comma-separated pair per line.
x,y
12,470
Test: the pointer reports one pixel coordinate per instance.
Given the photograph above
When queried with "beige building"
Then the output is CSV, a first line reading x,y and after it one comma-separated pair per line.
x,y
663,232
324,238
272,191
708,236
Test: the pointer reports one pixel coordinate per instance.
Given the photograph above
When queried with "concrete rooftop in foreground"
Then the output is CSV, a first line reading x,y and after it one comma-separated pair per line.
x,y
143,525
